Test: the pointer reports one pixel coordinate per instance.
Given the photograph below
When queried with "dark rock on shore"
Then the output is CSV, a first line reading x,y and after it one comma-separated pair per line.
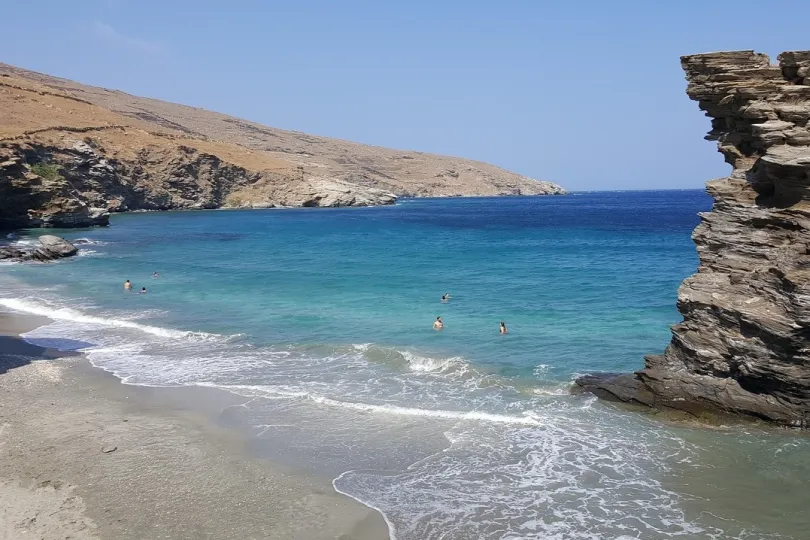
x,y
50,248
744,344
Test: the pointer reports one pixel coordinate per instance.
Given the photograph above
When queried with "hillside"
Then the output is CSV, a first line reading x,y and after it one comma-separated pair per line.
x,y
70,152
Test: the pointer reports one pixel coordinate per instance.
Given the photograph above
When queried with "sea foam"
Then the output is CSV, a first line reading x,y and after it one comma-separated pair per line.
x,y
68,314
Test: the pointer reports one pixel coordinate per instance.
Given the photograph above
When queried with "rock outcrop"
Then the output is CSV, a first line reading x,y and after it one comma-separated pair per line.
x,y
50,248
71,153
744,344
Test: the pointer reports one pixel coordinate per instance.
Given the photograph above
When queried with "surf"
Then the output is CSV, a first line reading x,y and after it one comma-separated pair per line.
x,y
71,315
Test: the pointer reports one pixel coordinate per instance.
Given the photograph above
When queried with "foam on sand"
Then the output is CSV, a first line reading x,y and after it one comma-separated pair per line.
x,y
68,314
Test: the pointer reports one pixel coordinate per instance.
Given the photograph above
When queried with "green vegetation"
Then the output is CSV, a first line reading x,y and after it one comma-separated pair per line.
x,y
48,171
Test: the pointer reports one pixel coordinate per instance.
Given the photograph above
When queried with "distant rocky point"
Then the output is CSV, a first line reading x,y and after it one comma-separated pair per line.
x,y
744,344
50,248
70,154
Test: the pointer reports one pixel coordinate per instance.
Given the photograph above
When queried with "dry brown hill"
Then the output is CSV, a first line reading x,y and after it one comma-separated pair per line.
x,y
66,148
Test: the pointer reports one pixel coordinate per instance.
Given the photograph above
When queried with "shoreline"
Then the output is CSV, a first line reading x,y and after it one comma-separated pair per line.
x,y
87,456
14,230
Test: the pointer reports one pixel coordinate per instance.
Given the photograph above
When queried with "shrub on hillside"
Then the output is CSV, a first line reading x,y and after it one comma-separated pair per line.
x,y
48,171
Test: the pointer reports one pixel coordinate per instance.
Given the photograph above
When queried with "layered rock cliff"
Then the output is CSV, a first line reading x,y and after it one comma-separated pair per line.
x,y
744,343
69,153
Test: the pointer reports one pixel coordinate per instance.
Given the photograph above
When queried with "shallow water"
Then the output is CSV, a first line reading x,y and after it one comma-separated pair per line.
x,y
323,318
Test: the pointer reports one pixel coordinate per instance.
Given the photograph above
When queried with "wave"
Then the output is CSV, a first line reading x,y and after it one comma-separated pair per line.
x,y
394,410
23,242
89,241
514,457
412,361
67,314
392,534
428,413
84,250
423,363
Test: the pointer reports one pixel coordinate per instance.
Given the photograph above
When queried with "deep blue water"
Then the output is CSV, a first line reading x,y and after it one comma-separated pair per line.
x,y
324,318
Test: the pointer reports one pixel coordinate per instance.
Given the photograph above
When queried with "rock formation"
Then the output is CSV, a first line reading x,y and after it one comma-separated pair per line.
x,y
50,248
71,153
744,344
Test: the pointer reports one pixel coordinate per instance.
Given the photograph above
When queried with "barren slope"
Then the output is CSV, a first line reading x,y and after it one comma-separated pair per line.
x,y
70,153
401,172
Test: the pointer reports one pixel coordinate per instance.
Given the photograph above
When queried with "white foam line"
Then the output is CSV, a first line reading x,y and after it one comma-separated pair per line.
x,y
66,314
474,416
426,365
391,530
427,413
266,389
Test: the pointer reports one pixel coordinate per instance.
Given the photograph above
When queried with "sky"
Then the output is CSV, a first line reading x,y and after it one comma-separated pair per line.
x,y
588,94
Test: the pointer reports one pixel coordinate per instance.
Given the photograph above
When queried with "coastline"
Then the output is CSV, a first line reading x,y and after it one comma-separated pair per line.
x,y
85,456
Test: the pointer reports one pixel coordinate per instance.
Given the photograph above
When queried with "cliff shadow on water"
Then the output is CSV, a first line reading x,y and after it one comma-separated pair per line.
x,y
743,346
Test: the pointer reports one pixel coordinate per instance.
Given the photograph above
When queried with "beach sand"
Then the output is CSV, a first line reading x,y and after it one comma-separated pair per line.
x,y
83,456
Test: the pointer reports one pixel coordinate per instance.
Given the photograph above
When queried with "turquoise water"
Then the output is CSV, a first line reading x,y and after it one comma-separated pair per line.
x,y
323,318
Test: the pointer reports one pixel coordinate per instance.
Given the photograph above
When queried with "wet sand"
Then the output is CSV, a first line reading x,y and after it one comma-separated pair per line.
x,y
83,456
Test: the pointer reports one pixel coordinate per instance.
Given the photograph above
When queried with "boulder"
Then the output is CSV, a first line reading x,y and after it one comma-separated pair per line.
x,y
50,248
57,246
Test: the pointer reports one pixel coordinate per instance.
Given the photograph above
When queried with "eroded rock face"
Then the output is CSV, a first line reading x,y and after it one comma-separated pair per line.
x,y
326,192
84,185
744,344
28,199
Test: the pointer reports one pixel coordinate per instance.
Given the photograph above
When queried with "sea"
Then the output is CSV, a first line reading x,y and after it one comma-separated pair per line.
x,y
321,320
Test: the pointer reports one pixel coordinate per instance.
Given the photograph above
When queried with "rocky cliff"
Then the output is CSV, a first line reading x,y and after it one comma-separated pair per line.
x,y
71,153
744,343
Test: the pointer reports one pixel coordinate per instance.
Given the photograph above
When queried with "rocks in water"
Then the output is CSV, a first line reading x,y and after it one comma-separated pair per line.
x,y
50,248
744,344
54,247
11,253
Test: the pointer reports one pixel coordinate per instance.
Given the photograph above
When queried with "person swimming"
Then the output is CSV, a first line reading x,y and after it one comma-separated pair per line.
x,y
127,285
142,291
503,328
438,324
154,274
445,297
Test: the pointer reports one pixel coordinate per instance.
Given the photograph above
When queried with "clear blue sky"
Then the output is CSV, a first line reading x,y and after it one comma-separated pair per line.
x,y
589,94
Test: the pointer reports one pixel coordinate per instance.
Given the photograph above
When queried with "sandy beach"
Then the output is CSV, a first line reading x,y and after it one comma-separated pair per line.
x,y
86,457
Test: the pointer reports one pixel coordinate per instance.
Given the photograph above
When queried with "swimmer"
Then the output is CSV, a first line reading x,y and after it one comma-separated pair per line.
x,y
127,285
142,291
445,297
438,324
503,328
154,274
